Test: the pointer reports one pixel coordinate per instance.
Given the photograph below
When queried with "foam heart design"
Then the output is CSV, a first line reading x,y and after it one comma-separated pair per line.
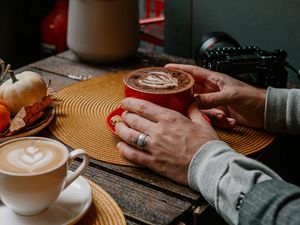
x,y
32,156
31,150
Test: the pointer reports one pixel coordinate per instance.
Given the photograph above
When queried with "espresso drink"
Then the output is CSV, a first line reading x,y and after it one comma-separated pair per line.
x,y
159,80
30,156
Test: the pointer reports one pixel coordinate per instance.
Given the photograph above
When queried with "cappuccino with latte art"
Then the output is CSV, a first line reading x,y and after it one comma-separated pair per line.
x,y
166,87
159,80
34,171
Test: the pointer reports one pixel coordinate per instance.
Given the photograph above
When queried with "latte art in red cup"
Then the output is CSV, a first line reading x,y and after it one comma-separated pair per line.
x,y
156,80
159,80
166,87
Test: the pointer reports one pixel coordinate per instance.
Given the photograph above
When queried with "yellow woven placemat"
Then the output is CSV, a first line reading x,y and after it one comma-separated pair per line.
x,y
80,121
104,210
80,117
246,140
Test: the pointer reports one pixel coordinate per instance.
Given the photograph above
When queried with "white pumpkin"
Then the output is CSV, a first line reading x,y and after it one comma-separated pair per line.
x,y
22,90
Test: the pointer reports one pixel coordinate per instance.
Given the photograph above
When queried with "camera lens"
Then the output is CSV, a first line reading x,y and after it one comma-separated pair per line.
x,y
211,41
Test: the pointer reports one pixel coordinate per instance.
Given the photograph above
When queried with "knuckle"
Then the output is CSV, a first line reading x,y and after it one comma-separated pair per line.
x,y
158,133
119,127
131,155
133,122
164,116
127,153
199,101
171,117
131,139
141,108
134,156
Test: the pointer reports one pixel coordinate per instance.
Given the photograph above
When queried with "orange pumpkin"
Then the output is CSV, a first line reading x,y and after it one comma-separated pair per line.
x,y
4,116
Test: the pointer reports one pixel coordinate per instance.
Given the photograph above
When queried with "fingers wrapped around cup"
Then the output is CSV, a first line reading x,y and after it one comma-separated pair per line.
x,y
133,137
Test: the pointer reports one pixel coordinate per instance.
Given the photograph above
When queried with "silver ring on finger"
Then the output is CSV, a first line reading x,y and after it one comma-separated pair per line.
x,y
141,142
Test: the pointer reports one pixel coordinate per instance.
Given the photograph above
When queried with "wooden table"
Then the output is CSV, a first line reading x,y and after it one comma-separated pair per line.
x,y
143,196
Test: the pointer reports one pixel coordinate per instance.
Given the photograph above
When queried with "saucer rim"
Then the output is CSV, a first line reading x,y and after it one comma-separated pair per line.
x,y
117,111
88,201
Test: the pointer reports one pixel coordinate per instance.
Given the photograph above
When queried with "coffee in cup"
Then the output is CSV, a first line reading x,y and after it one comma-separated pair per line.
x,y
166,87
33,172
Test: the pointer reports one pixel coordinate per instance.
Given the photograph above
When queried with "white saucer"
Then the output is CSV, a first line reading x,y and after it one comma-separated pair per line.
x,y
69,208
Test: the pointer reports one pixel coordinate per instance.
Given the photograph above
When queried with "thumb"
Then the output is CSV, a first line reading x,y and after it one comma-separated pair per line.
x,y
211,100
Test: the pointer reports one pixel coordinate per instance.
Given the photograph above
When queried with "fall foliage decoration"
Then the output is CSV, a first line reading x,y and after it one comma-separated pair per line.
x,y
26,101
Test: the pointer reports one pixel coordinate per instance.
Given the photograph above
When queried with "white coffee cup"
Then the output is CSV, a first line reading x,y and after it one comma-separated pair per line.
x,y
34,171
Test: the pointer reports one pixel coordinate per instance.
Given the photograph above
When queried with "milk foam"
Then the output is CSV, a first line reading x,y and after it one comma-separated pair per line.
x,y
31,156
158,79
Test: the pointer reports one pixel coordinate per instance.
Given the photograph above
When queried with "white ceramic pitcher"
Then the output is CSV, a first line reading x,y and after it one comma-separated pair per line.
x,y
103,31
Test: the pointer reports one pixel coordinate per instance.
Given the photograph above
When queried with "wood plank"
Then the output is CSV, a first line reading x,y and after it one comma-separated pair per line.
x,y
142,58
58,81
67,64
66,67
151,179
130,222
139,202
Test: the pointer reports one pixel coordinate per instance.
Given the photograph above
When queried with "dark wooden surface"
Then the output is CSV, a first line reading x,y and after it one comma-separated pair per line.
x,y
143,196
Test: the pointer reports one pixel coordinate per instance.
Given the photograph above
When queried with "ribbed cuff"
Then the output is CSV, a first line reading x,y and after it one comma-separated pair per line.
x,y
275,111
221,175
207,166
282,110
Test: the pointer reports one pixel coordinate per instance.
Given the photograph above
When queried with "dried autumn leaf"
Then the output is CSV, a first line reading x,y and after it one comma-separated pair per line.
x,y
29,114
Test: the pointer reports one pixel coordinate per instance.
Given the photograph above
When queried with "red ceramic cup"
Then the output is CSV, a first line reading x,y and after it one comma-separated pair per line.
x,y
166,87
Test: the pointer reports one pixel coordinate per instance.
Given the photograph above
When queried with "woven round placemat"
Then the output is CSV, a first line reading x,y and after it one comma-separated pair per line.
x,y
104,210
80,121
80,118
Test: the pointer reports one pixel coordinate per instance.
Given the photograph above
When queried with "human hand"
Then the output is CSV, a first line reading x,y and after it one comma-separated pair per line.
x,y
228,99
172,139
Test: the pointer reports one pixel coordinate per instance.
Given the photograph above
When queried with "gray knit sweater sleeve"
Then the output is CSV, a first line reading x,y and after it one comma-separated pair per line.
x,y
283,110
271,202
222,175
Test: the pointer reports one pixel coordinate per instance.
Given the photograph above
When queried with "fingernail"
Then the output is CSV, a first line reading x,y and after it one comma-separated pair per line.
x,y
219,116
124,101
123,114
231,121
119,145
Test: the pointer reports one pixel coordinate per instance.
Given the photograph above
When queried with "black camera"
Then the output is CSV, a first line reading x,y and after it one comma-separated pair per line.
x,y
219,52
